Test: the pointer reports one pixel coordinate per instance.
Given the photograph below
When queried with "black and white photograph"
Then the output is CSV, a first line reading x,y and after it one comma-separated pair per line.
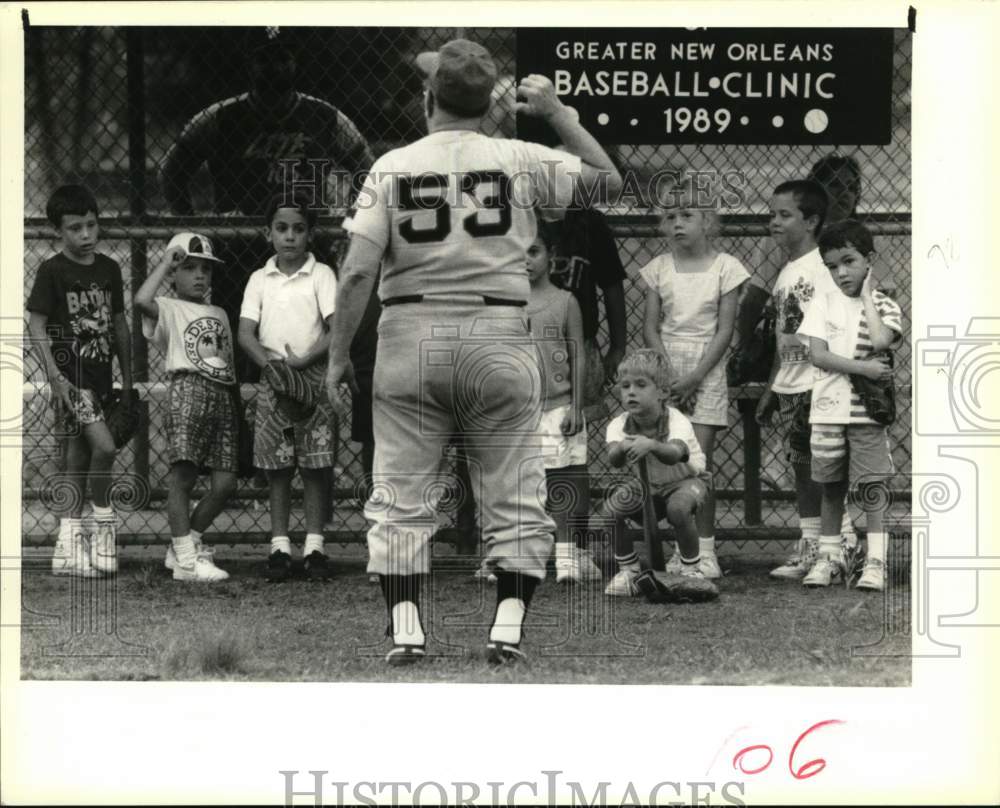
x,y
361,353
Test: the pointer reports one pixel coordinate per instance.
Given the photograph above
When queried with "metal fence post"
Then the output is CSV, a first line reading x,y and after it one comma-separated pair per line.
x,y
137,216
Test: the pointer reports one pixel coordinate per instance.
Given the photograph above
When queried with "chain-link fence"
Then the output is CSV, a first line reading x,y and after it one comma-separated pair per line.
x,y
175,128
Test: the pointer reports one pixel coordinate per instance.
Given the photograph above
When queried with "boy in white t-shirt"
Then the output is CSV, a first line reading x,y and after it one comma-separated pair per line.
x,y
849,332
798,210
202,417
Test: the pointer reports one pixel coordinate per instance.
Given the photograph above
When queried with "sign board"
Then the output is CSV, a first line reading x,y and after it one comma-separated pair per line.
x,y
814,86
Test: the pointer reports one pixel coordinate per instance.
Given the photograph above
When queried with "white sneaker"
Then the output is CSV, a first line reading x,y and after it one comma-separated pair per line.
x,y
170,560
104,548
589,571
709,566
73,558
873,576
568,569
203,569
623,584
692,571
798,564
824,572
674,564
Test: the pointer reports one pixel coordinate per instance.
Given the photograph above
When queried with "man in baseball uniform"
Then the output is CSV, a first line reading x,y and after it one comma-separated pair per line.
x,y
450,218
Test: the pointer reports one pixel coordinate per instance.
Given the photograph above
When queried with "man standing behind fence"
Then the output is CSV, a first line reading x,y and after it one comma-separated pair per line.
x,y
268,140
450,218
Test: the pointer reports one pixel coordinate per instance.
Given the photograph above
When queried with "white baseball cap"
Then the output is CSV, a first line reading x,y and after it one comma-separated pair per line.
x,y
194,244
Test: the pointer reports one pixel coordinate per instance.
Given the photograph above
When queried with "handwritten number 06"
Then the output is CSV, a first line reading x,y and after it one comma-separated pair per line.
x,y
806,770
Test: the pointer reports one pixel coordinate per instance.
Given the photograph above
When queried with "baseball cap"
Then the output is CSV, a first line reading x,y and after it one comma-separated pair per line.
x,y
194,244
461,75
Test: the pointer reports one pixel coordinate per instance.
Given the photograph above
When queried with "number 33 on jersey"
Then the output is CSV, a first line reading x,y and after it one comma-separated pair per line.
x,y
456,212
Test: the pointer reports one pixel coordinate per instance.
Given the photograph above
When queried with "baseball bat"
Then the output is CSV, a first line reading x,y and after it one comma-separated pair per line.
x,y
650,528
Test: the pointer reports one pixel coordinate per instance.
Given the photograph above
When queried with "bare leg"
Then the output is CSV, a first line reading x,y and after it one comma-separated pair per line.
x,y
706,515
280,482
315,495
832,507
183,476
102,457
73,479
222,487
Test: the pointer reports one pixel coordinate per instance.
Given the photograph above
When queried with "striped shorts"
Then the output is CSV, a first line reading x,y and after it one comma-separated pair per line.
x,y
850,452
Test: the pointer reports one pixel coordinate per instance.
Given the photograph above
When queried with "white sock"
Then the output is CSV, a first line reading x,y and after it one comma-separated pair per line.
x,y
829,546
281,543
876,546
629,562
564,549
406,628
314,543
103,514
810,526
196,538
691,561
847,528
184,550
507,626
707,545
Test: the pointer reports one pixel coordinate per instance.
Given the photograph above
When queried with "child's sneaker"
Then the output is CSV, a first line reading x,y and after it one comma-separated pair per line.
x,y
873,576
674,564
798,564
104,548
623,585
73,558
709,566
317,566
484,573
589,571
279,566
203,569
567,569
824,572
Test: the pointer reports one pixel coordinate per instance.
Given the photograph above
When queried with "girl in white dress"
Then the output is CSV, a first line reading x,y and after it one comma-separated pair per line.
x,y
689,316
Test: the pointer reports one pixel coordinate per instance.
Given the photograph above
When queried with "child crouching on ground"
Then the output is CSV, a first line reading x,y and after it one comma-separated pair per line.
x,y
849,332
653,431
201,422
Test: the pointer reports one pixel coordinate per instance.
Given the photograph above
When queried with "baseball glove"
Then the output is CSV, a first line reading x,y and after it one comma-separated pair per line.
x,y
661,587
121,414
293,394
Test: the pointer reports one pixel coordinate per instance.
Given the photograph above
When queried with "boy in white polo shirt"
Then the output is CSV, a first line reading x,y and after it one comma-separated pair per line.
x,y
849,331
286,311
201,421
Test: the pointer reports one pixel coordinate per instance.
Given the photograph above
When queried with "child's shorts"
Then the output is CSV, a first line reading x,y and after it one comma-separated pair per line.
x,y
793,419
201,422
86,410
685,496
711,406
850,452
561,450
310,444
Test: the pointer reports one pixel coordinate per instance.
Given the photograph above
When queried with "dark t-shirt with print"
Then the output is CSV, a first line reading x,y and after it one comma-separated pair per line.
x,y
80,301
586,258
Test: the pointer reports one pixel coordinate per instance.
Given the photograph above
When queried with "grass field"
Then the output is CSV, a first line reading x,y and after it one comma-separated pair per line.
x,y
760,632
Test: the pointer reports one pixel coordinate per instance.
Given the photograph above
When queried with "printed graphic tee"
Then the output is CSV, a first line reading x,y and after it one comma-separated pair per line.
x,y
80,301
195,338
797,285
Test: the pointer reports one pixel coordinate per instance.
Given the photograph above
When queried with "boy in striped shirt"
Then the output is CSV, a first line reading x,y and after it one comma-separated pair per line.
x,y
849,332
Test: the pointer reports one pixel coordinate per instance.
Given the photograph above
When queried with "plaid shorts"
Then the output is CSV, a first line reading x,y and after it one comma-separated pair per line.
x,y
793,418
310,444
850,452
201,423
711,405
686,495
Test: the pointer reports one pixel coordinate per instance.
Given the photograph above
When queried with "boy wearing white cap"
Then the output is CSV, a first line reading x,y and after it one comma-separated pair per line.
x,y
201,423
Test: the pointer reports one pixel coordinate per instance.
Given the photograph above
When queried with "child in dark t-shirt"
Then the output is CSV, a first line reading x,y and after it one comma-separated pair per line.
x,y
77,321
